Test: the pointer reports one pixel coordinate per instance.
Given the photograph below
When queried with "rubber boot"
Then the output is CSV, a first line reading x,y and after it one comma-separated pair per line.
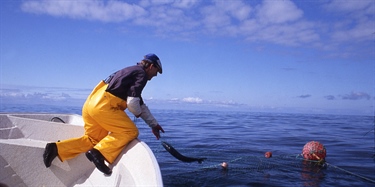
x,y
98,159
49,154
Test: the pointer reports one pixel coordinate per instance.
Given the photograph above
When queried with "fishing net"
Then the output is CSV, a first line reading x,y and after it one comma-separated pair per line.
x,y
260,170
251,170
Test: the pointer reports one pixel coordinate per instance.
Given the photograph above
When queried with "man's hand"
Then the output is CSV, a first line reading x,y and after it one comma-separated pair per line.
x,y
155,131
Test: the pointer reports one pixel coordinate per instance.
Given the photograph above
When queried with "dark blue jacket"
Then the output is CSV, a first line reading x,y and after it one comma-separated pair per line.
x,y
129,81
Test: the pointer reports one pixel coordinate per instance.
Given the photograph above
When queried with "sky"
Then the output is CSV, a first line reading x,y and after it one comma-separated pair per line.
x,y
305,56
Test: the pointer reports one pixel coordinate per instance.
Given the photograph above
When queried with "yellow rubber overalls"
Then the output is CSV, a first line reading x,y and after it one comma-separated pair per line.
x,y
107,127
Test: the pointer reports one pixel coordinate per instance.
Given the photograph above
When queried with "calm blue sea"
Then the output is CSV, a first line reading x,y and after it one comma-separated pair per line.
x,y
242,138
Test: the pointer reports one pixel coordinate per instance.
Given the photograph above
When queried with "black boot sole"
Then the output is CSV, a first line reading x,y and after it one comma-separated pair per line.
x,y
100,166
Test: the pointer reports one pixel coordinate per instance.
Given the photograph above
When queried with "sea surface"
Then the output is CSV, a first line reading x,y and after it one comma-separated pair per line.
x,y
242,138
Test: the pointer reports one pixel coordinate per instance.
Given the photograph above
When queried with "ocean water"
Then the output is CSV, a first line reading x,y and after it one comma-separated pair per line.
x,y
242,138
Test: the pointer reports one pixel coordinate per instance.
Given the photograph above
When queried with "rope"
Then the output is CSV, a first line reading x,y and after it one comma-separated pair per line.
x,y
351,173
263,163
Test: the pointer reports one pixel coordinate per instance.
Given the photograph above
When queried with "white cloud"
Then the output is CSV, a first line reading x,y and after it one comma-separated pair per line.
x,y
184,3
364,6
293,34
276,22
236,10
278,12
106,11
174,3
354,31
357,18
43,95
192,100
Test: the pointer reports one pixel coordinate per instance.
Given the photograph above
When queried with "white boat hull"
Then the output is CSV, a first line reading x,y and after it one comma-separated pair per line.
x,y
22,141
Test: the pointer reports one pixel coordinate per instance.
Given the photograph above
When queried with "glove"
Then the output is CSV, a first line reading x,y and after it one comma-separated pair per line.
x,y
155,131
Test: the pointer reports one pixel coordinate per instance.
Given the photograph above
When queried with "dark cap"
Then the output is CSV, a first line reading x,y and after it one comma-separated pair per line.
x,y
152,58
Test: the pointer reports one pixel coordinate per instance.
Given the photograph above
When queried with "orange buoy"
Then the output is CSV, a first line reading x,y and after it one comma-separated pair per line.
x,y
314,151
268,154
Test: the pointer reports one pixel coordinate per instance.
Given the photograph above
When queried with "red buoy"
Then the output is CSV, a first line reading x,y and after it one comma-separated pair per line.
x,y
314,151
268,154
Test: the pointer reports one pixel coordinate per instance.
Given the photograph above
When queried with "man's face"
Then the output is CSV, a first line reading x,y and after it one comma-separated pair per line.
x,y
152,71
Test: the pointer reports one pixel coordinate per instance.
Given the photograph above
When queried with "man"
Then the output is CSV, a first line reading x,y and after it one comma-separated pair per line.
x,y
108,129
